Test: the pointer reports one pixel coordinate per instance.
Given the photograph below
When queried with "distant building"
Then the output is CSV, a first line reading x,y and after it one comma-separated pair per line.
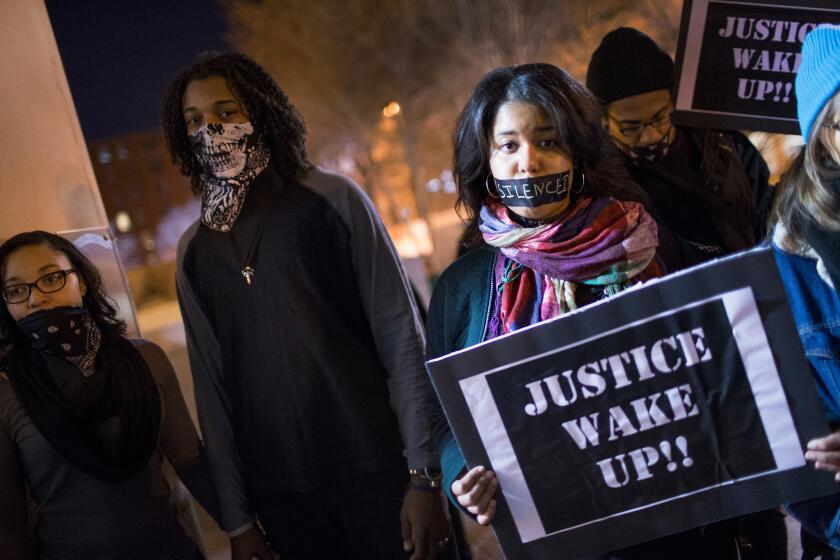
x,y
147,200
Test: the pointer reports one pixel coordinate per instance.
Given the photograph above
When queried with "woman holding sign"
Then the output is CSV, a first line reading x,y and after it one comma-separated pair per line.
x,y
562,226
806,242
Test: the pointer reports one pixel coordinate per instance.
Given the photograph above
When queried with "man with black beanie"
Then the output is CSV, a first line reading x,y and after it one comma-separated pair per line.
x,y
710,186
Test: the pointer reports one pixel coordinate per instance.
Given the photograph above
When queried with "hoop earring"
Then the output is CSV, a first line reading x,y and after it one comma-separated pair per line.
x,y
487,186
579,189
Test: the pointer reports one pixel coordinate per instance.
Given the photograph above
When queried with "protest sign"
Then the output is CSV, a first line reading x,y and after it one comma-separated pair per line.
x,y
737,61
670,406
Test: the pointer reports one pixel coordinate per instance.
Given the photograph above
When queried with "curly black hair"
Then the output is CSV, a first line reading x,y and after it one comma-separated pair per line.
x,y
270,111
101,307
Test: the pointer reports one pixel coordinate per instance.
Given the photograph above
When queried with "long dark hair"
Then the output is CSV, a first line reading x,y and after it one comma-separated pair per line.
x,y
270,111
577,118
102,308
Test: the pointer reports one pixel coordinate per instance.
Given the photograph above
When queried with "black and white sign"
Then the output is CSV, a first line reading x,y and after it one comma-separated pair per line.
x,y
737,61
670,406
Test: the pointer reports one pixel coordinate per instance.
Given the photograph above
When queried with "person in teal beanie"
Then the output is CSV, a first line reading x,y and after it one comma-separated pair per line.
x,y
819,75
806,244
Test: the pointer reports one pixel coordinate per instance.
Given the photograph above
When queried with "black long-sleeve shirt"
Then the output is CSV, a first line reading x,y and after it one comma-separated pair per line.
x,y
315,369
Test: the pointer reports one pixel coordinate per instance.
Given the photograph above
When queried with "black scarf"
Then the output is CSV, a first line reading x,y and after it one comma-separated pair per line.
x,y
111,441
826,243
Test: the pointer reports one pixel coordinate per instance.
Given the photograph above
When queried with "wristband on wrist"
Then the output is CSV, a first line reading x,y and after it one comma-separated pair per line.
x,y
422,487
427,478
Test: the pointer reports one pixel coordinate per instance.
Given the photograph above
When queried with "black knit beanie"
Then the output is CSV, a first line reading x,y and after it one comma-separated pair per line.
x,y
626,63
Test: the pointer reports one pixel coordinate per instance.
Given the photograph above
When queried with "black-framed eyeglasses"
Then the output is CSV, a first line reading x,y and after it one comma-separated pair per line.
x,y
636,129
46,284
835,126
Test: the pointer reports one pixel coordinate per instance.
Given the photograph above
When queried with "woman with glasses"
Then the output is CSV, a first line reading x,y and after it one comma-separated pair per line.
x,y
806,243
559,225
86,418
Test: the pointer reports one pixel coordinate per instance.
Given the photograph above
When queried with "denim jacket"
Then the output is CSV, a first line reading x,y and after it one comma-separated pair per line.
x,y
815,304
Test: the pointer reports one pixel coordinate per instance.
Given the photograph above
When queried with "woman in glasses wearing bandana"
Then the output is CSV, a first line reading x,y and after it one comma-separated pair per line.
x,y
806,243
86,418
557,225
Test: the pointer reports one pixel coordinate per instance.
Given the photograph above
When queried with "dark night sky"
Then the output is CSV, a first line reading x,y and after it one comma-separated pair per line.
x,y
120,55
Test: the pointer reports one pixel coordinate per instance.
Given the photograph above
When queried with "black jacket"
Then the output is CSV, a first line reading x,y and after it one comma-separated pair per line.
x,y
737,190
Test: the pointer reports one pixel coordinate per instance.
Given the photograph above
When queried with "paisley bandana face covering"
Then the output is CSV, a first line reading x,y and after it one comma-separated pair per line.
x,y
231,156
66,332
533,191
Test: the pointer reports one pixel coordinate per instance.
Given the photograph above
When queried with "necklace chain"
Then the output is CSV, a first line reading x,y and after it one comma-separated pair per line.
x,y
248,271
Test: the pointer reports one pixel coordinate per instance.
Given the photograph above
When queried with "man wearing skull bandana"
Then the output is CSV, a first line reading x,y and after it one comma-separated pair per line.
x,y
709,186
303,338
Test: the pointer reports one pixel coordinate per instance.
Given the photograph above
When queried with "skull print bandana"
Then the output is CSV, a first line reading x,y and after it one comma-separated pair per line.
x,y
66,332
231,156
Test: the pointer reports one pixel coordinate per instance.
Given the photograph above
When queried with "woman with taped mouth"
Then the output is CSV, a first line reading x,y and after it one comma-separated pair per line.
x,y
558,225
87,417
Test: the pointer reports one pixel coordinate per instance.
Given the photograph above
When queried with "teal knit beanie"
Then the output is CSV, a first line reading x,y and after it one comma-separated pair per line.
x,y
819,74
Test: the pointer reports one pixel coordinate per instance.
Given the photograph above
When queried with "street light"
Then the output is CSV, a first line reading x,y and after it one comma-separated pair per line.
x,y
391,109
123,222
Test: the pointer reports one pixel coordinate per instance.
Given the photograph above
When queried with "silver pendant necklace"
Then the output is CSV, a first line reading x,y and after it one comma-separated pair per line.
x,y
248,271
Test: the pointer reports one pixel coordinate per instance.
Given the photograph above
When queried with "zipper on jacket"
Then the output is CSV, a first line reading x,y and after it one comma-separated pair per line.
x,y
492,296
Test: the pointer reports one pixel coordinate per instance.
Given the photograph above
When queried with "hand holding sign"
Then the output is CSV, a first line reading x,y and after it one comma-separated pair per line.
x,y
475,492
825,452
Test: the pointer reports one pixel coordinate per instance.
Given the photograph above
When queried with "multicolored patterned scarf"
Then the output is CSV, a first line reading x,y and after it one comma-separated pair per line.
x,y
599,241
